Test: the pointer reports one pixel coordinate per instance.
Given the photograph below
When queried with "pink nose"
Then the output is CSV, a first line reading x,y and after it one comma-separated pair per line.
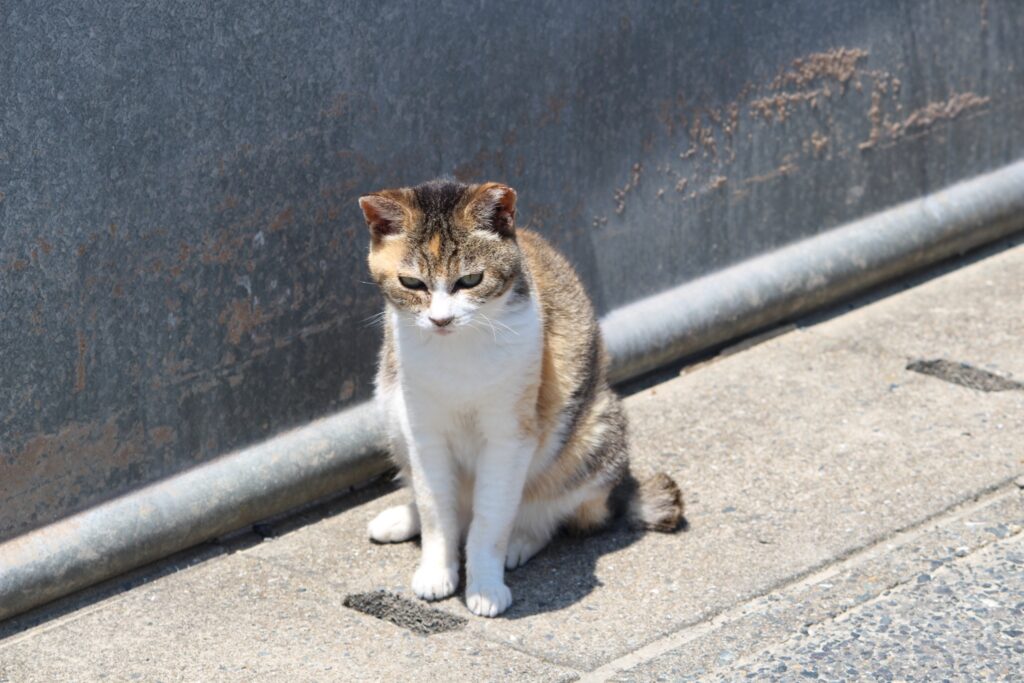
x,y
442,322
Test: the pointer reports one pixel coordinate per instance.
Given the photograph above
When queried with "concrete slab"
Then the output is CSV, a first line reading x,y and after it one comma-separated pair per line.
x,y
792,455
714,647
974,315
795,456
238,618
962,622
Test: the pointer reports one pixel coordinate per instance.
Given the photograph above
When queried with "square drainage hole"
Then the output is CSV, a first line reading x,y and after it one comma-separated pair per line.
x,y
400,611
963,374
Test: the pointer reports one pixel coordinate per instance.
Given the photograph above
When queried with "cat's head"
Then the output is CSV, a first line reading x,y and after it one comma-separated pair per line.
x,y
444,253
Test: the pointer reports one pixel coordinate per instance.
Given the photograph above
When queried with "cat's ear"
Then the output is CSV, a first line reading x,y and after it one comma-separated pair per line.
x,y
383,215
493,208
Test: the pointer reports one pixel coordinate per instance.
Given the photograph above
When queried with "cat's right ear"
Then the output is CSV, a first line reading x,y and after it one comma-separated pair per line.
x,y
384,216
493,206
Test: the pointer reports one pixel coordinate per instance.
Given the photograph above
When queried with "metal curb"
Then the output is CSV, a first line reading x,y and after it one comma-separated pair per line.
x,y
189,508
330,454
811,273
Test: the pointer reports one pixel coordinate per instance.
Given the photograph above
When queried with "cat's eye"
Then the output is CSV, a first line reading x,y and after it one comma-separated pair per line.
x,y
411,282
469,281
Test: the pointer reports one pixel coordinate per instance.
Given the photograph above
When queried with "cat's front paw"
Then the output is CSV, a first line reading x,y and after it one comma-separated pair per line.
x,y
394,525
488,599
432,582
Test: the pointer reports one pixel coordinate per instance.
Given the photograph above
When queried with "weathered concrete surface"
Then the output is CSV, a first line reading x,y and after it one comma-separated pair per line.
x,y
974,316
244,619
182,258
963,622
718,645
819,472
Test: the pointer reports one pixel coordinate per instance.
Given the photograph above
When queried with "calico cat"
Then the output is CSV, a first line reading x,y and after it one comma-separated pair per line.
x,y
493,379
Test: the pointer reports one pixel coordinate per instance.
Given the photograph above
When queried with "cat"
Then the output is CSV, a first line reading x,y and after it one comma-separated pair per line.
x,y
492,377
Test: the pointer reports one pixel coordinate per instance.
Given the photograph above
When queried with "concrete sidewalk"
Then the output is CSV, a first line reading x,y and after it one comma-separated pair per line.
x,y
848,518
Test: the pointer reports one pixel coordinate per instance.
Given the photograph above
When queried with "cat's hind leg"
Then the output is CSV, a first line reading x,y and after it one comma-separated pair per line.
x,y
396,524
536,523
522,546
592,514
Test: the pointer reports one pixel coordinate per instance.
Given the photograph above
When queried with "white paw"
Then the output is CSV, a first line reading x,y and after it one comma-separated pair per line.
x,y
520,550
435,582
394,525
488,599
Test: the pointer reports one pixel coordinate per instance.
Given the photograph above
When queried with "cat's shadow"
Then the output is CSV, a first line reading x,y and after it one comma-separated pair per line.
x,y
566,571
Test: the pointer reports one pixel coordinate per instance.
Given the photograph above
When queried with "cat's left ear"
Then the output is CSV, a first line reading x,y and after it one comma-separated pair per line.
x,y
383,215
493,207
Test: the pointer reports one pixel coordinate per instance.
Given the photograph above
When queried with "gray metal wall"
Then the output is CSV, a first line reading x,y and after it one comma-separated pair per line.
x,y
182,260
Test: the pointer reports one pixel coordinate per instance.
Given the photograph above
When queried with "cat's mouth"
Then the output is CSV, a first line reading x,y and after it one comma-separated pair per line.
x,y
443,330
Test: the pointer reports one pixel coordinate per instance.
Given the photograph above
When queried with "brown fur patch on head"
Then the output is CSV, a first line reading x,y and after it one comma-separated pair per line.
x,y
439,232
434,246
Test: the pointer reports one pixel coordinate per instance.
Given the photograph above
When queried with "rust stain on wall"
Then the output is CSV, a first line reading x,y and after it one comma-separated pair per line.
x,y
80,363
553,113
717,183
338,108
918,120
282,219
229,202
839,64
813,82
818,142
704,135
620,193
937,111
162,435
783,170
47,466
241,317
472,170
875,116
778,107
810,81
220,250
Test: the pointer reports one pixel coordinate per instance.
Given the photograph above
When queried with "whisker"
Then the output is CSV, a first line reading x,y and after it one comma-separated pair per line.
x,y
492,323
494,330
375,319
475,325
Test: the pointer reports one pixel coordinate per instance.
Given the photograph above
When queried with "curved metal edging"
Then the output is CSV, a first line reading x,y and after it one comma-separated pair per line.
x,y
811,273
189,508
333,453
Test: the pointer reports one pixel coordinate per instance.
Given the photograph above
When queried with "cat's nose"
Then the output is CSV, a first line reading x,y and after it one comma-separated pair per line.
x,y
442,322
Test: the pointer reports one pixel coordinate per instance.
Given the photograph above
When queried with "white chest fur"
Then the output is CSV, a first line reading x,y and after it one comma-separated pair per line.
x,y
494,356
458,383
457,405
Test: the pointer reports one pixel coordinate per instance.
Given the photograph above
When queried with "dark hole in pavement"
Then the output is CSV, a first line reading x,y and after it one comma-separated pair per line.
x,y
405,613
964,375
